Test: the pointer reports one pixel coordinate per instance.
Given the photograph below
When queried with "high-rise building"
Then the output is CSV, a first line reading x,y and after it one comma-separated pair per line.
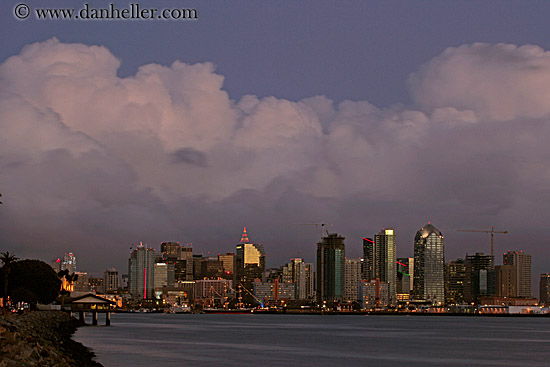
x,y
171,251
141,272
545,289
455,281
68,262
163,276
384,264
505,281
228,263
110,280
352,278
374,294
301,275
480,277
249,262
405,278
367,269
429,265
331,256
522,264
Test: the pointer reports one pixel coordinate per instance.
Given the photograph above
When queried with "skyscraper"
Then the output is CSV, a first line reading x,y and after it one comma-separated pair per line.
x,y
522,263
110,280
367,269
405,278
331,256
384,264
249,262
480,277
505,281
140,272
300,274
545,289
429,265
352,279
455,281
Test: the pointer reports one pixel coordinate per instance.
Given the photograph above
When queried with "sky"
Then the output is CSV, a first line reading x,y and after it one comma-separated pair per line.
x,y
361,114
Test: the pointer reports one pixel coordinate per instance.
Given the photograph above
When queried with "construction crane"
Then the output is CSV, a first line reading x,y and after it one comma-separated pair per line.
x,y
492,232
321,225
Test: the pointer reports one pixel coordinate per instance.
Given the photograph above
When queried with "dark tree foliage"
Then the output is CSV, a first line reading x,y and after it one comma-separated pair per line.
x,y
33,281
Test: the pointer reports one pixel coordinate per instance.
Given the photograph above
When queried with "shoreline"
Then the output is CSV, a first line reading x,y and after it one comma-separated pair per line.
x,y
42,338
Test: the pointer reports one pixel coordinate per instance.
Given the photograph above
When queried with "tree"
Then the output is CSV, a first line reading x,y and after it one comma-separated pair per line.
x,y
33,281
7,259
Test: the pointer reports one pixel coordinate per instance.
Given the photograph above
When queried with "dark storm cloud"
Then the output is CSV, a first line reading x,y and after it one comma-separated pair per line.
x,y
189,156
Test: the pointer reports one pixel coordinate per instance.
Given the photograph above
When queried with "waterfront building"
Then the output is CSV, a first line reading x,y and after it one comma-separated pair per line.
x,y
522,264
455,281
331,255
163,276
480,274
352,277
249,262
141,272
216,291
505,281
384,264
110,280
367,269
429,265
301,275
81,283
405,278
545,289
374,294
228,265
274,291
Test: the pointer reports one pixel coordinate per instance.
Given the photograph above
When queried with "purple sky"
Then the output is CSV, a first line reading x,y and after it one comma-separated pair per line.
x,y
362,114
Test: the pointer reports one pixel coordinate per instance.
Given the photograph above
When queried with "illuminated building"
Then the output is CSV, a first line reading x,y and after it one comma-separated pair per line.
x,y
274,290
110,280
480,277
522,264
331,256
545,289
405,277
352,277
171,251
429,265
368,259
455,281
249,262
141,272
228,264
300,274
67,263
505,281
384,264
374,294
163,276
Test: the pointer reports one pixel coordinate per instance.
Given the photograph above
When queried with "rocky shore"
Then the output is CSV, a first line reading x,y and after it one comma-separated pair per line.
x,y
41,338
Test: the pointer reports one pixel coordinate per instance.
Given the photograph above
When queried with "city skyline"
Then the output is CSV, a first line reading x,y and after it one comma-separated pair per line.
x,y
364,115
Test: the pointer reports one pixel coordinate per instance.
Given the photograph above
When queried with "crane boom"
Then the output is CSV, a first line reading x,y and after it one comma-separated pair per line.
x,y
492,232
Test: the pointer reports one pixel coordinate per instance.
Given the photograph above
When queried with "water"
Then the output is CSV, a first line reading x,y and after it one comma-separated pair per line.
x,y
307,340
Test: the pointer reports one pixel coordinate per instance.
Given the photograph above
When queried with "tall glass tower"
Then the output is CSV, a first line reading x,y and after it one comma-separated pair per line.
x,y
249,262
429,265
384,264
331,261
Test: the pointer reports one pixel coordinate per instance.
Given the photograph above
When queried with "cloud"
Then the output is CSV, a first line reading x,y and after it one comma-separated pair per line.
x,y
91,162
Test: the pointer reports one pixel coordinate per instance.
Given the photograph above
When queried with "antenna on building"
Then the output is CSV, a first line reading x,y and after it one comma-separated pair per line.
x,y
244,237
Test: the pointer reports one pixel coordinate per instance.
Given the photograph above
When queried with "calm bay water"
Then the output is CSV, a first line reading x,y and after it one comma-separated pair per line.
x,y
306,340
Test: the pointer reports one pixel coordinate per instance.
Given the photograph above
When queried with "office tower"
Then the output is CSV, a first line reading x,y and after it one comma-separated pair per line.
x,y
384,263
368,259
110,280
352,277
480,277
429,265
455,281
374,294
163,276
331,256
249,262
299,273
141,272
405,278
545,289
183,266
522,263
81,284
171,251
67,263
228,264
211,268
505,281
